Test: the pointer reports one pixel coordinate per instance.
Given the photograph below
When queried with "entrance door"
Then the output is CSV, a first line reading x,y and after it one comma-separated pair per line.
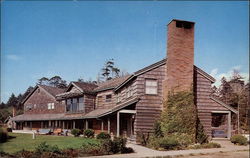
x,y
221,124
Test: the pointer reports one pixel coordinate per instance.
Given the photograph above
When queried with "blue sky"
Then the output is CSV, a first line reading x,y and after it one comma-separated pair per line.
x,y
73,39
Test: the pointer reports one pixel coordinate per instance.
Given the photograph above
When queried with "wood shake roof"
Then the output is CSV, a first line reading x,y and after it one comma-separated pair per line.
x,y
53,91
111,84
85,87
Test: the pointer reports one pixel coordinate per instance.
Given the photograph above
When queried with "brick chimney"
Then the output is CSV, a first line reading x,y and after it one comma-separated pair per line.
x,y
180,57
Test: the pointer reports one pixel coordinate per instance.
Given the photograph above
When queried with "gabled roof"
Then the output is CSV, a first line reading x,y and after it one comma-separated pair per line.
x,y
84,87
223,104
111,84
203,73
141,71
52,91
157,64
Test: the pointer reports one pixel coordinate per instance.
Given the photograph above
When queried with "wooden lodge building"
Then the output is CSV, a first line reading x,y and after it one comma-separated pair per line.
x,y
131,104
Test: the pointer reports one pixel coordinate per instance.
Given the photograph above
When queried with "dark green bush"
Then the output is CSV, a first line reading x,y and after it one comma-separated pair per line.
x,y
157,129
44,147
103,135
201,136
76,132
169,143
118,145
239,140
89,133
3,135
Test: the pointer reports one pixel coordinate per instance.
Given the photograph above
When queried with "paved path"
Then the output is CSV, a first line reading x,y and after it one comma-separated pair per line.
x,y
143,152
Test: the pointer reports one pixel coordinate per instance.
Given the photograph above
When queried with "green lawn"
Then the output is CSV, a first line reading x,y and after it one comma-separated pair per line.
x,y
25,141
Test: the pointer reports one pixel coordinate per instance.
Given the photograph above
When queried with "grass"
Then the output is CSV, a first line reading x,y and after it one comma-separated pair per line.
x,y
25,141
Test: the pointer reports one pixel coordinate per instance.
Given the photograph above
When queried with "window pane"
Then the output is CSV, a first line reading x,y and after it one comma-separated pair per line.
x,y
74,100
108,98
81,106
81,100
52,106
49,106
68,101
151,86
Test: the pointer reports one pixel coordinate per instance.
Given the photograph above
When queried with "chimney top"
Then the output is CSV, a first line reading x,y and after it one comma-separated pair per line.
x,y
184,21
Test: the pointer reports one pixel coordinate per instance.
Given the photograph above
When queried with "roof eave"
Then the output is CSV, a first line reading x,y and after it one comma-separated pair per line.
x,y
223,104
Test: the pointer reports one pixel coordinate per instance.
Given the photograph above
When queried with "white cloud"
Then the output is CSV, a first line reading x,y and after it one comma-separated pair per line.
x,y
228,75
214,72
13,57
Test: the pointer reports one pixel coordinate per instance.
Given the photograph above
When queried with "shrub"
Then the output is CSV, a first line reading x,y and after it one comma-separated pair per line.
x,y
118,145
103,135
169,143
3,135
239,140
70,152
91,148
143,138
157,129
75,132
179,115
89,133
9,129
44,147
201,136
25,154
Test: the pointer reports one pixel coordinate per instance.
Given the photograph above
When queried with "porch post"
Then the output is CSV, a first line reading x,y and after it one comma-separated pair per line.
x,y
87,124
102,126
49,123
42,124
108,125
56,123
118,124
229,124
74,124
25,123
63,124
83,121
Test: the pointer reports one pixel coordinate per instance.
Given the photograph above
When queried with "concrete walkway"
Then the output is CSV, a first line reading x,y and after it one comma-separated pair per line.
x,y
143,152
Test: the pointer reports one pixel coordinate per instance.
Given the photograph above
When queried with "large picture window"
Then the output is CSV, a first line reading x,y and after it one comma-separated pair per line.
x,y
151,86
74,104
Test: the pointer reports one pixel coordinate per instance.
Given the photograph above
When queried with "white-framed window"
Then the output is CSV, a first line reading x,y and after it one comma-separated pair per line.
x,y
51,106
118,97
151,86
129,92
